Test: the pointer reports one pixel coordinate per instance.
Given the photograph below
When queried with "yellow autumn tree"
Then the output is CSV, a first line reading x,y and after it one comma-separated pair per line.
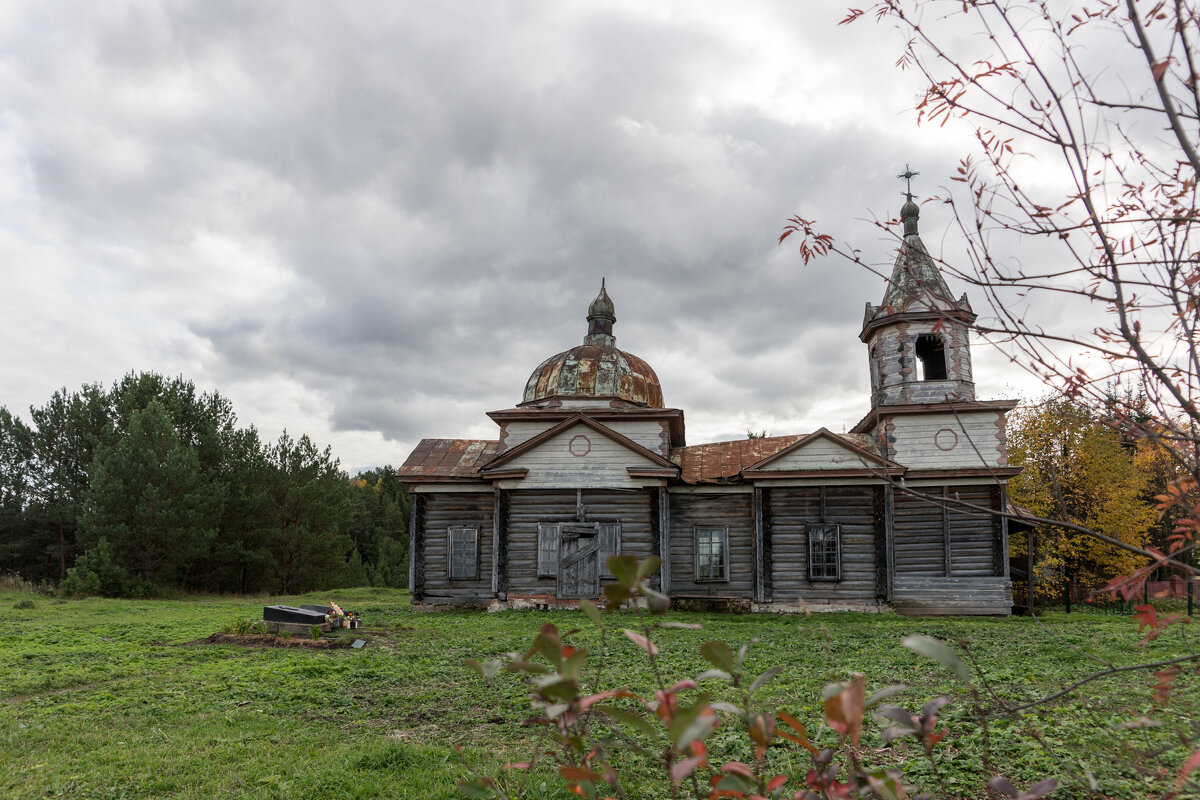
x,y
1078,469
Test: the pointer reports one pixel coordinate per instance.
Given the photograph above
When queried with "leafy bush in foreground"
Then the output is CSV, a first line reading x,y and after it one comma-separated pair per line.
x,y
598,736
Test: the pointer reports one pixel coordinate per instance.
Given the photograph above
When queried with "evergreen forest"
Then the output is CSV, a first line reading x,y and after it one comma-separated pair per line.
x,y
150,485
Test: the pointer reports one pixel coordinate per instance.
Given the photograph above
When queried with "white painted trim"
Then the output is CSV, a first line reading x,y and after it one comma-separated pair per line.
x,y
767,483
740,489
450,488
982,480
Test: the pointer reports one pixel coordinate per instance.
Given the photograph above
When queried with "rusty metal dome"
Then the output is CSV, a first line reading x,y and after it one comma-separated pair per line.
x,y
595,369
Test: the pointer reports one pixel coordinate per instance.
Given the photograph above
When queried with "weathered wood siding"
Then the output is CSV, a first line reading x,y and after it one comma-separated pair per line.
x,y
597,461
440,512
649,433
732,511
818,454
919,536
972,536
527,508
856,509
515,433
945,440
895,372
949,596
936,538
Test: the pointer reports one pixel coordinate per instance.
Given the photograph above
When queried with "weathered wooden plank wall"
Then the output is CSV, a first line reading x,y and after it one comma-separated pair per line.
x,y
442,510
819,454
919,444
936,537
734,511
946,596
593,460
527,508
852,507
972,543
918,536
646,432
633,510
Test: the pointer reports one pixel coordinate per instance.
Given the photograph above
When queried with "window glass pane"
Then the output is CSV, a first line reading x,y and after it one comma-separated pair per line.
x,y
464,560
711,554
824,557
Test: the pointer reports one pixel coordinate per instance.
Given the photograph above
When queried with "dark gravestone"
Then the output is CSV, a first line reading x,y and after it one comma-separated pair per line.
x,y
292,614
322,609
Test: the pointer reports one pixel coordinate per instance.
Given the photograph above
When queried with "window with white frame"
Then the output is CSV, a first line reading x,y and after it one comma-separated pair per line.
x,y
463,548
712,554
824,552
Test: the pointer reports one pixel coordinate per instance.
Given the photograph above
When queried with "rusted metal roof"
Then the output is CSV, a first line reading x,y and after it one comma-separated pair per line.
x,y
449,458
723,462
592,370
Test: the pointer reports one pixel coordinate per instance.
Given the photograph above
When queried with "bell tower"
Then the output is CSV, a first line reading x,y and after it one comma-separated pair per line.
x,y
918,337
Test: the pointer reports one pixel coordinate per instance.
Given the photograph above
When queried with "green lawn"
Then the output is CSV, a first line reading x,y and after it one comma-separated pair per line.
x,y
101,699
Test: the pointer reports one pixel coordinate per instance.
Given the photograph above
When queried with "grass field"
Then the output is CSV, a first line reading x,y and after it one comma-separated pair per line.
x,y
104,699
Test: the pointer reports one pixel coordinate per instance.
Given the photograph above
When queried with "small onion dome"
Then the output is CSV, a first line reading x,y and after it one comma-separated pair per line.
x,y
602,306
596,369
910,212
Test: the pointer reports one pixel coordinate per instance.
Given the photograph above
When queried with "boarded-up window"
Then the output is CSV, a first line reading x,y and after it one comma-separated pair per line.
x,y
610,545
464,553
824,552
712,554
547,554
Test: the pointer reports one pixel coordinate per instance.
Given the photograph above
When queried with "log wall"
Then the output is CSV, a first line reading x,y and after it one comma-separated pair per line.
x,y
527,508
857,509
439,512
732,511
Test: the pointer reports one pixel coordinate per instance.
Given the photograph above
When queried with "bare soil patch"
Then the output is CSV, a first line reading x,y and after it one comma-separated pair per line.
x,y
266,640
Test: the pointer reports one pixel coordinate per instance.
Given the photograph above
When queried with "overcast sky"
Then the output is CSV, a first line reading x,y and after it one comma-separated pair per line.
x,y
370,221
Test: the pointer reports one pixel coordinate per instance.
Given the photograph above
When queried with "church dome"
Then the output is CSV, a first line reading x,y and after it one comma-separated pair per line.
x,y
595,369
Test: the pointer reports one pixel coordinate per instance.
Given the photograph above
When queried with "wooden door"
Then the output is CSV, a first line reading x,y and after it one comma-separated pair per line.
x,y
578,561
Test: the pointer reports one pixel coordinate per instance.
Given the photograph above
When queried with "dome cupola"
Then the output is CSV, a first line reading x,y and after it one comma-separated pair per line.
x,y
595,373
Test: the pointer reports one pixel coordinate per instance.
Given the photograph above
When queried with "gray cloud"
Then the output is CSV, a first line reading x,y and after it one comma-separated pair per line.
x,y
380,218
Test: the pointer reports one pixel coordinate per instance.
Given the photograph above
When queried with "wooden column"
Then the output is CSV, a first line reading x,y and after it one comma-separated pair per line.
x,y
1029,569
946,529
416,547
880,515
760,594
768,549
656,533
889,510
499,543
999,533
664,539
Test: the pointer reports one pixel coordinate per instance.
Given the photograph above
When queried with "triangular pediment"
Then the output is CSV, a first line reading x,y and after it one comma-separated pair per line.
x,y
824,450
579,451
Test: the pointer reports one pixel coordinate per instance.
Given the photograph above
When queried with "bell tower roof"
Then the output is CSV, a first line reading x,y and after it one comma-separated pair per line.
x,y
916,284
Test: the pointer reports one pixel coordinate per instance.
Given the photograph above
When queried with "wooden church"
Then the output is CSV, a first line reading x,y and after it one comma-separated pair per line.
x,y
900,513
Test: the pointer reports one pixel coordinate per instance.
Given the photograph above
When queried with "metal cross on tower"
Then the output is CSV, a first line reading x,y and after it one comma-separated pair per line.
x,y
908,175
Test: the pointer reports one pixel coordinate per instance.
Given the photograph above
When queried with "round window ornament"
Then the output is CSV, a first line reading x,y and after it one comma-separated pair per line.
x,y
945,439
579,445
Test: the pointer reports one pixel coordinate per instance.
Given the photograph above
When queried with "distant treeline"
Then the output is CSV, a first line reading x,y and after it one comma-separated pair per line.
x,y
150,483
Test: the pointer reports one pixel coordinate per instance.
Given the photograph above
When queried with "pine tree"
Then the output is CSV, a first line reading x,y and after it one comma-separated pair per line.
x,y
150,499
308,508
